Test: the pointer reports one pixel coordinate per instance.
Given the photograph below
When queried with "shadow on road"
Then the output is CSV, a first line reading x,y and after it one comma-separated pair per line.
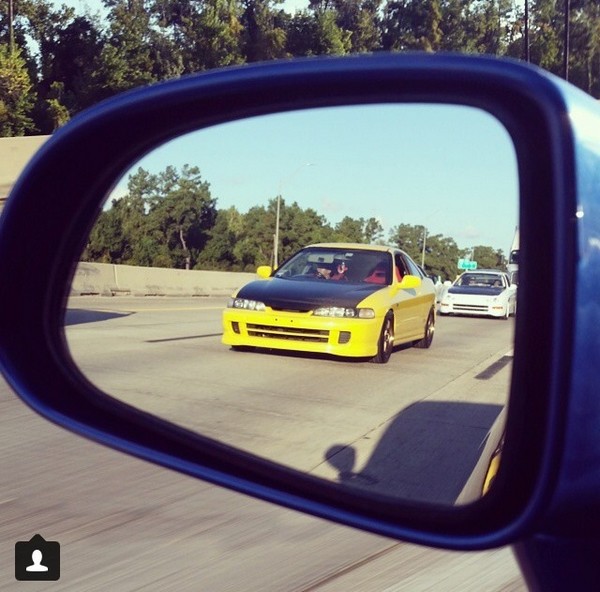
x,y
427,453
78,316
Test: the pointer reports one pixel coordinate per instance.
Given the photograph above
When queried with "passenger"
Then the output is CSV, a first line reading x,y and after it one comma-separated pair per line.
x,y
377,275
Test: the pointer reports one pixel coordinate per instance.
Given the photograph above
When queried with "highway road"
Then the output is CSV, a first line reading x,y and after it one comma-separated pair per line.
x,y
125,524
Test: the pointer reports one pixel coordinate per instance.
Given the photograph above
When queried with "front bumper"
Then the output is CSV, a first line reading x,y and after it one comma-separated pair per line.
x,y
301,332
473,308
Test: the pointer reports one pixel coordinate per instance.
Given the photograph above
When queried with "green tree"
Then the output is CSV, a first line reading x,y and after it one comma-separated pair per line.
x,y
360,20
317,33
182,212
349,230
546,34
487,257
127,56
486,26
16,93
108,241
584,55
208,32
254,245
412,25
373,230
56,111
70,57
264,31
358,230
163,220
219,251
300,227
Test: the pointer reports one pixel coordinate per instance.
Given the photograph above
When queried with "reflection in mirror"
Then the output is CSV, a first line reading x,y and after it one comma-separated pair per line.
x,y
283,370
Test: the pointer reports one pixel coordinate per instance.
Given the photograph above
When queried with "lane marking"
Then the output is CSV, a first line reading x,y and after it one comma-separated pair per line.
x,y
494,368
183,338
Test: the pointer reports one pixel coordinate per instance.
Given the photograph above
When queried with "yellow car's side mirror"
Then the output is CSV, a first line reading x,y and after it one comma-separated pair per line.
x,y
410,282
264,271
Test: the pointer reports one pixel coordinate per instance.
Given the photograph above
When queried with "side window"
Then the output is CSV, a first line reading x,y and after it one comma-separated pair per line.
x,y
401,268
413,269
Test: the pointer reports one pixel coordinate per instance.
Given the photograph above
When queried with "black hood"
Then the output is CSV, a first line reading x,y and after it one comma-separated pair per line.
x,y
475,291
306,294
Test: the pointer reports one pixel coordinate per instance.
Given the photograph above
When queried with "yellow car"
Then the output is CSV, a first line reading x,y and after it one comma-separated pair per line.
x,y
344,299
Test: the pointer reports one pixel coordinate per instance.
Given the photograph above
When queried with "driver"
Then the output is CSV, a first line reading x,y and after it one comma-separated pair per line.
x,y
339,272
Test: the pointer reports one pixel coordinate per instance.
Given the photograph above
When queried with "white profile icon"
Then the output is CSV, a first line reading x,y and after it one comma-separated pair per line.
x,y
36,557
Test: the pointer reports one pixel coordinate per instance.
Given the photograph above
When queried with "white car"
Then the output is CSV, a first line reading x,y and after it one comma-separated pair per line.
x,y
485,292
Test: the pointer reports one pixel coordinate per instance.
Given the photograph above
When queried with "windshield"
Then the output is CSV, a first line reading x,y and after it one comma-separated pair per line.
x,y
480,280
336,264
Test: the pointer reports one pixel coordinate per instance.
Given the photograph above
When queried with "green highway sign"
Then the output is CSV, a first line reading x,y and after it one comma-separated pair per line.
x,y
467,264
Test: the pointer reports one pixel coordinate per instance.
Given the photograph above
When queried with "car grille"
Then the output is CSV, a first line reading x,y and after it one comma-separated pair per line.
x,y
471,307
290,333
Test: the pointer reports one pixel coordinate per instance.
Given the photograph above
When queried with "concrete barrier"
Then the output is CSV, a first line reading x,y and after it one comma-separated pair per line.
x,y
15,153
113,280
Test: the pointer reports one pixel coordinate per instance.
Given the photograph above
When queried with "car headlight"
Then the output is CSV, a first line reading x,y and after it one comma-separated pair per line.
x,y
341,312
246,304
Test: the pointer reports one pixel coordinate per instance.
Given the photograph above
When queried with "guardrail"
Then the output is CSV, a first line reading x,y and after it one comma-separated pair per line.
x,y
106,279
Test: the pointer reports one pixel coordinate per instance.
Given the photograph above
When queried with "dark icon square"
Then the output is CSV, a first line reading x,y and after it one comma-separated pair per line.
x,y
37,559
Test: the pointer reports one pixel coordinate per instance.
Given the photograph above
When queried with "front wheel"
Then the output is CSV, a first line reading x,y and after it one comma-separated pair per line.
x,y
425,343
385,343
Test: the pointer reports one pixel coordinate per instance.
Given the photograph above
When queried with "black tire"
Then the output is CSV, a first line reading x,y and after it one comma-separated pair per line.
x,y
385,343
425,343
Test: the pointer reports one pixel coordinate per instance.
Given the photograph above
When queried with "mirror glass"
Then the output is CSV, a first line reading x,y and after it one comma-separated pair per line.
x,y
292,378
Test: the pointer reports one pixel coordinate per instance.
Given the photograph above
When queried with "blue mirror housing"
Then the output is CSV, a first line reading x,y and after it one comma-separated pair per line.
x,y
62,190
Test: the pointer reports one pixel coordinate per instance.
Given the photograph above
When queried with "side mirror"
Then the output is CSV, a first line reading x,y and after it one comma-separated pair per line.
x,y
410,282
548,125
264,271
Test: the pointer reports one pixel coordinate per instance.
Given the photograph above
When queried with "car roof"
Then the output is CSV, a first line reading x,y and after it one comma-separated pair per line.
x,y
361,246
495,271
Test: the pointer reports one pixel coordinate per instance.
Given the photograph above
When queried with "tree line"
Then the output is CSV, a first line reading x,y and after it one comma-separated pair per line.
x,y
170,219
55,62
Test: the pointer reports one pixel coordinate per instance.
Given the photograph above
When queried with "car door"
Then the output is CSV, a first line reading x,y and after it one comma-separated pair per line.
x,y
408,302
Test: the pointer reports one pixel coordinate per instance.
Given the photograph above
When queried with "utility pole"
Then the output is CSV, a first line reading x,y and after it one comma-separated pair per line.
x,y
276,235
526,33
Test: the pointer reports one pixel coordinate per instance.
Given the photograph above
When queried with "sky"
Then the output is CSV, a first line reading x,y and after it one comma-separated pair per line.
x,y
451,169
